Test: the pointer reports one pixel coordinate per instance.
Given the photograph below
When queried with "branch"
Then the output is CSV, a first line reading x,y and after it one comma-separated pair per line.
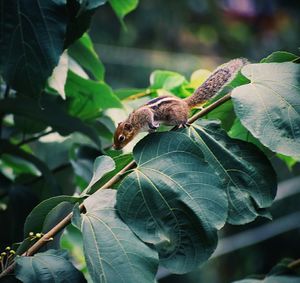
x,y
67,220
209,108
35,138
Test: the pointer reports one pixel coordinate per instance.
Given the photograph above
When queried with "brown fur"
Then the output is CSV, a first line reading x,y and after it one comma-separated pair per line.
x,y
215,82
172,114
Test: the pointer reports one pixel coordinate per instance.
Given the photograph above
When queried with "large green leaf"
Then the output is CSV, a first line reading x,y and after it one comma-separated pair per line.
x,y
269,107
32,39
113,253
48,267
166,80
54,216
279,57
83,52
38,217
224,113
102,165
89,97
121,161
238,131
247,176
173,200
51,114
44,217
80,14
122,8
83,169
52,212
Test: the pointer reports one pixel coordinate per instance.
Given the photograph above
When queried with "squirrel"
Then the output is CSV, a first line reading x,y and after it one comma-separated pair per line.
x,y
171,110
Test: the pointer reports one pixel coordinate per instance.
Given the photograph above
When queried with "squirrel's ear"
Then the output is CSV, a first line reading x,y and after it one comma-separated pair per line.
x,y
128,127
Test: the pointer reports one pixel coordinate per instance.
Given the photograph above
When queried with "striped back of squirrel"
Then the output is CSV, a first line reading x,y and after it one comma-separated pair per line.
x,y
161,100
215,82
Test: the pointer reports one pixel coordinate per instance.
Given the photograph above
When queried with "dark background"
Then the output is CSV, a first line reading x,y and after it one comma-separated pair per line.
x,y
184,35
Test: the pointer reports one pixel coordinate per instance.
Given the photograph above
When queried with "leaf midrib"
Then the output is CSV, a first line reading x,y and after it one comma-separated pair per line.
x,y
183,189
117,240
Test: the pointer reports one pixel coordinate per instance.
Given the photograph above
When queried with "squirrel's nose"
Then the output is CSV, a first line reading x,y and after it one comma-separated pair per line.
x,y
116,147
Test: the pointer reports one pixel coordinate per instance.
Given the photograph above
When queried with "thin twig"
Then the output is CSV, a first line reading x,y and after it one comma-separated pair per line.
x,y
294,264
209,108
67,220
35,138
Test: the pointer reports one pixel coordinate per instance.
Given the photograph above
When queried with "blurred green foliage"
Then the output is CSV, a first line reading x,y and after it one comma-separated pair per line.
x,y
171,36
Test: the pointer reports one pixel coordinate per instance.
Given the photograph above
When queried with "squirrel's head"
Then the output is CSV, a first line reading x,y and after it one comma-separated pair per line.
x,y
123,135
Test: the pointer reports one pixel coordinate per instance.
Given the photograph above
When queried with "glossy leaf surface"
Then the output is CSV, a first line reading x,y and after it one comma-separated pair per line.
x,y
88,98
246,174
48,267
102,165
31,43
113,253
173,200
38,216
269,106
84,54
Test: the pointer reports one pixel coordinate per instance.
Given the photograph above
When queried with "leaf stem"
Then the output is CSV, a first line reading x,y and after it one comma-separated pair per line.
x,y
67,220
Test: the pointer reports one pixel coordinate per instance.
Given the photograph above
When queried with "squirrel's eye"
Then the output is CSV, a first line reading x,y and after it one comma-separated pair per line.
x,y
121,138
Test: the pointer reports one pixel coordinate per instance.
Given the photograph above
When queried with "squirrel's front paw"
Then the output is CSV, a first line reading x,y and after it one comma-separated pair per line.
x,y
183,125
153,127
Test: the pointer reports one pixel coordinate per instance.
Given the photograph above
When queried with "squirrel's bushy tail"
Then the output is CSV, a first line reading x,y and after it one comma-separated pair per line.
x,y
216,81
